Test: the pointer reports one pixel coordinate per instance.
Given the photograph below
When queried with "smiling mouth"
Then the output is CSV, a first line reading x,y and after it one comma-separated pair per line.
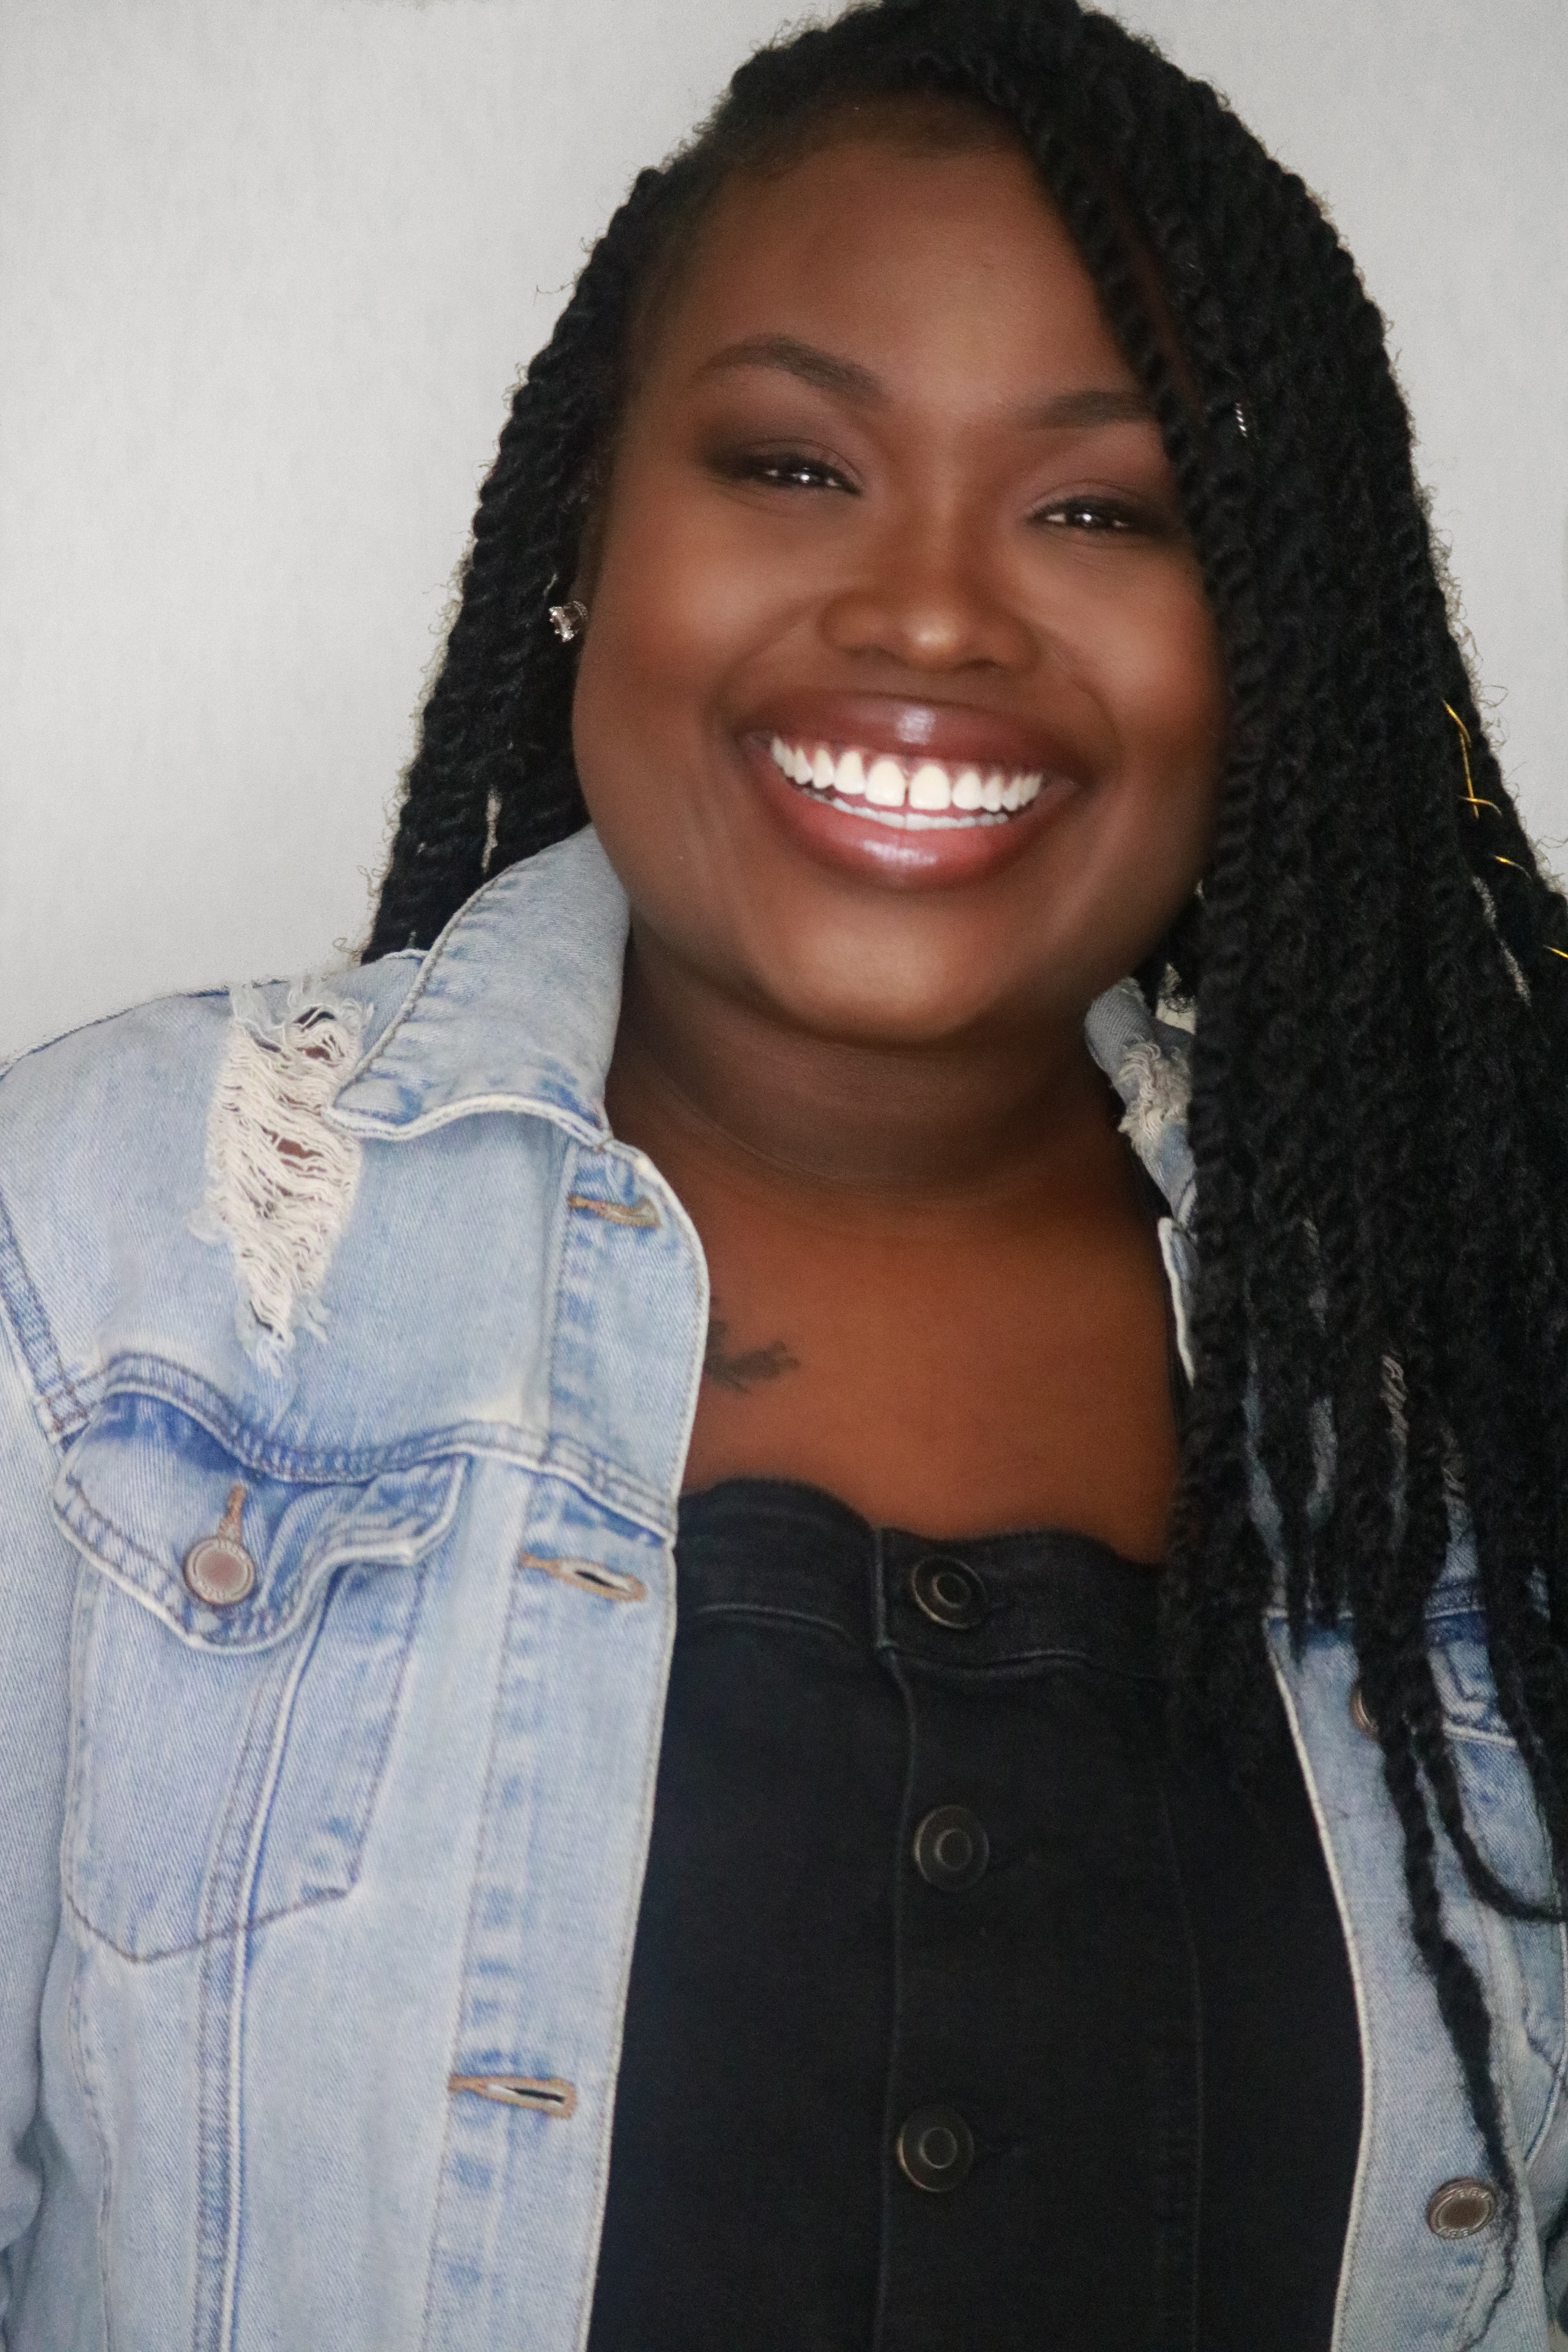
x,y
909,794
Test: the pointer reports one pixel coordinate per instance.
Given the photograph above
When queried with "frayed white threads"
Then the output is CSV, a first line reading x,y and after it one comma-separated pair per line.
x,y
1155,1087
281,1181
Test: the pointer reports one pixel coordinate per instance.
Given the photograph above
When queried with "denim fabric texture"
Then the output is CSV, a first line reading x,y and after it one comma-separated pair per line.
x,y
278,1870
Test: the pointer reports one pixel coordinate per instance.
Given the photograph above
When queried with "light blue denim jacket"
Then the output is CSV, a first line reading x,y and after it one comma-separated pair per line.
x,y
317,1905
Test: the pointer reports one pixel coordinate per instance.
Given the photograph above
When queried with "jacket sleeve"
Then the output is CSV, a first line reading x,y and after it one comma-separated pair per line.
x,y
38,1585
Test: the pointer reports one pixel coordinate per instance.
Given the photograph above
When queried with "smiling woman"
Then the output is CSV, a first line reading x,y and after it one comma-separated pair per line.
x,y
844,589
846,1494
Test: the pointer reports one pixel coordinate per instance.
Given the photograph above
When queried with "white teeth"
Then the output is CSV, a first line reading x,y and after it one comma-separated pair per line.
x,y
927,796
930,787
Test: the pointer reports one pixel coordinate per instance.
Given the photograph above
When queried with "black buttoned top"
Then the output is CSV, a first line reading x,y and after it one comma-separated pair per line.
x,y
965,2014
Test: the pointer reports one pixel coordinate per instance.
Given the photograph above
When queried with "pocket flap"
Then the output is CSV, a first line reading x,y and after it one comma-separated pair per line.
x,y
146,1482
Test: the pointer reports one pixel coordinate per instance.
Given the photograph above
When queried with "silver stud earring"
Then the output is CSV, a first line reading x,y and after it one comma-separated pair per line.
x,y
567,620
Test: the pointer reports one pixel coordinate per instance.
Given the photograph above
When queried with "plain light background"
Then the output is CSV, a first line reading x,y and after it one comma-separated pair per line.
x,y
269,267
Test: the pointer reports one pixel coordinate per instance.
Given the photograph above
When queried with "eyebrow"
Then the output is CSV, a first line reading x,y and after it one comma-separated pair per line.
x,y
826,372
1106,405
823,369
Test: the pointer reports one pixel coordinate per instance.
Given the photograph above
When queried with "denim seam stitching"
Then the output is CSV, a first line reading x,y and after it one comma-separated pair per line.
x,y
222,1987
146,1375
1485,2285
544,1453
1356,2220
251,1868
36,1342
1553,2099
75,2023
1560,2074
475,1896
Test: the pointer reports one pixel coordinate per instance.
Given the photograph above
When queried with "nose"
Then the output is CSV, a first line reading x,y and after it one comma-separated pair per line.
x,y
924,598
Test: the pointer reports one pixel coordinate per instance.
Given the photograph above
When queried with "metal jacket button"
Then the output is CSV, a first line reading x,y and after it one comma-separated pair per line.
x,y
935,2148
1460,2209
218,1569
948,1592
950,1848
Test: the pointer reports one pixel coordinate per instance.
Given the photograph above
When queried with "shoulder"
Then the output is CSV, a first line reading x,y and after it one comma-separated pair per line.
x,y
105,1151
137,1069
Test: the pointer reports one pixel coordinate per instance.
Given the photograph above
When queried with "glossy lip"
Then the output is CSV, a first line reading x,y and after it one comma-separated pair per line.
x,y
902,858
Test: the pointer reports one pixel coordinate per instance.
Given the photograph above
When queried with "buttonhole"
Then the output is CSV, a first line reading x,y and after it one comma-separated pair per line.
x,y
588,1576
548,2093
641,1212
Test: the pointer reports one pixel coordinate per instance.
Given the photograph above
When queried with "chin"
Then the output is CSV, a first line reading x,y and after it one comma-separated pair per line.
x,y
826,1002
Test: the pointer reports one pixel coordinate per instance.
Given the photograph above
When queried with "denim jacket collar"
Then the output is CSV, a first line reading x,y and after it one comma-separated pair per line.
x,y
513,1009
516,1004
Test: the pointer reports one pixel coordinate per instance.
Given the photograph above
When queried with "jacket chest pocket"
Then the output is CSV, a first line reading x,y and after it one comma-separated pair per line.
x,y
226,1755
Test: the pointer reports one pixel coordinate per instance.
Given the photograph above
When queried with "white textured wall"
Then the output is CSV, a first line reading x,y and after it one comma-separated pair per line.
x,y
268,268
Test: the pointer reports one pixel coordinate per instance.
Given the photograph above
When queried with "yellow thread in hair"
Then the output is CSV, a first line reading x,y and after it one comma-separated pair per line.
x,y
1510,861
1472,801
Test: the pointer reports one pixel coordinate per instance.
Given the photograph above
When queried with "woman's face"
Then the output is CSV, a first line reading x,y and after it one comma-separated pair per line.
x,y
890,537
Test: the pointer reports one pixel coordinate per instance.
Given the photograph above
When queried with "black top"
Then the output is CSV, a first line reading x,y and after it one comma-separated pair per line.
x,y
962,2016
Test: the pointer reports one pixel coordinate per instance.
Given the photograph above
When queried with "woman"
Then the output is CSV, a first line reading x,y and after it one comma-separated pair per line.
x,y
1085,1089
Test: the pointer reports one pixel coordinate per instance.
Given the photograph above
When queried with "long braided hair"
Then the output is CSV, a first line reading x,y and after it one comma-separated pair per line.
x,y
1380,970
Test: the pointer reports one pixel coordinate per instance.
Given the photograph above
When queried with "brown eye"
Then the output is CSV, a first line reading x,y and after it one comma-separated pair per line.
x,y
797,474
785,469
1093,515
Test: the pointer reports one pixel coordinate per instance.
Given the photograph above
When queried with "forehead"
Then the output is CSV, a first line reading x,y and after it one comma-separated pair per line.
x,y
900,258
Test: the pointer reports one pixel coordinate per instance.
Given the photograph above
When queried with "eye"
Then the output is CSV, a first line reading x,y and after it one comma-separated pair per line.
x,y
785,469
1094,512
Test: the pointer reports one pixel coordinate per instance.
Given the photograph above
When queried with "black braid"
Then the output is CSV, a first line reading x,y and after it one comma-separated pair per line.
x,y
1381,969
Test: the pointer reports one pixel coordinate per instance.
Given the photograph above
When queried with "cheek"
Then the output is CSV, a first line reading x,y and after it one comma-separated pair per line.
x,y
1196,698
1164,683
677,617
1159,679
679,605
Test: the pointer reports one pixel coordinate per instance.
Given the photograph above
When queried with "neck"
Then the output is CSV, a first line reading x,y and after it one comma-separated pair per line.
x,y
699,1076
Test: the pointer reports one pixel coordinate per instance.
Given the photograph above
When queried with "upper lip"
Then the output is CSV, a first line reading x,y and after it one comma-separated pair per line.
x,y
956,734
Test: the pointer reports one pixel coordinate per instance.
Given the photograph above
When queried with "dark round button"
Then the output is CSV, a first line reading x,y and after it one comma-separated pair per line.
x,y
948,1592
219,1571
1360,1714
935,2148
952,1848
1460,2209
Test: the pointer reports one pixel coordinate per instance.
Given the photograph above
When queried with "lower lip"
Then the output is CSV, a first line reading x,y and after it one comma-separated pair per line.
x,y
916,858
